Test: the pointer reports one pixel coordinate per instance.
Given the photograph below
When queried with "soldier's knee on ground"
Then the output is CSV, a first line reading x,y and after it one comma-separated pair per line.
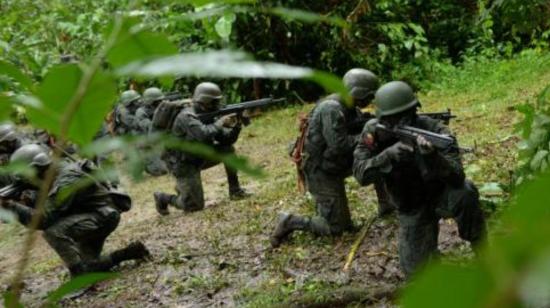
x,y
320,226
417,241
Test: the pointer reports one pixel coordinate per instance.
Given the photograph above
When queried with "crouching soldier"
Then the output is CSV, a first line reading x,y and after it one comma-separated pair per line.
x,y
328,155
186,168
79,214
425,183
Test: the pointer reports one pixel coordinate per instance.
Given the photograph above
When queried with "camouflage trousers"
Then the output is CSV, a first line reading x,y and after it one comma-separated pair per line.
x,y
78,239
331,205
155,166
190,193
419,230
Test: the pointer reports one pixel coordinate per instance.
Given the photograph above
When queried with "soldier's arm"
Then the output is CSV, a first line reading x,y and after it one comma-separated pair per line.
x,y
335,133
189,125
369,163
229,135
447,163
24,214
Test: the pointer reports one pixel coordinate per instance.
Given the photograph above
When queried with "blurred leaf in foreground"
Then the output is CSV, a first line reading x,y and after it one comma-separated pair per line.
x,y
56,92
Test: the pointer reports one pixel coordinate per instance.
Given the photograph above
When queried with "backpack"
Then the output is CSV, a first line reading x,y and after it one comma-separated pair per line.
x,y
166,113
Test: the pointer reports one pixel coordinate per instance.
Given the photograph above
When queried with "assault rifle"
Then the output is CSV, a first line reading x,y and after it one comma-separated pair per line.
x,y
356,126
408,135
173,96
239,108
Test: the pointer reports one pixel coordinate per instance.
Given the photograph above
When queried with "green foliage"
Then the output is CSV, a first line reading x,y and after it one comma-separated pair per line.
x,y
11,301
511,272
77,283
535,131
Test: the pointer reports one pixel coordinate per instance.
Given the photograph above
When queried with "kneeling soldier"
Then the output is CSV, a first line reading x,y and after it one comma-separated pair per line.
x,y
328,157
77,217
186,168
424,183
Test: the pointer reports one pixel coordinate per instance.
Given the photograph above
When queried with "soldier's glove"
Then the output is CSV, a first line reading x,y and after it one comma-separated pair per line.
x,y
424,146
398,151
229,121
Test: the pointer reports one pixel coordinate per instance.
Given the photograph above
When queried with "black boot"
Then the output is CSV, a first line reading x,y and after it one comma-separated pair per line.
x,y
162,201
286,224
238,194
134,251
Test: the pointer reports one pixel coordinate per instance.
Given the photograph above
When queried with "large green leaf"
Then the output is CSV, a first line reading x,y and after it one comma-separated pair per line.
x,y
78,283
57,90
12,71
11,301
449,286
135,44
128,146
225,63
6,104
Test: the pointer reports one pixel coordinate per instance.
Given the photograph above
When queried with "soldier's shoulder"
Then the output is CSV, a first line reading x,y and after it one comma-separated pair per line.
x,y
330,104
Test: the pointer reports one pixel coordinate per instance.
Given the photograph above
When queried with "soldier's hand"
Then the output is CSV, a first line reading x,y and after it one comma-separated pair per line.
x,y
424,146
230,120
399,151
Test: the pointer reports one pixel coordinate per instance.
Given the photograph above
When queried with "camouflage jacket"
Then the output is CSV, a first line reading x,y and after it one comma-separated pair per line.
x,y
72,192
144,118
188,127
407,184
329,145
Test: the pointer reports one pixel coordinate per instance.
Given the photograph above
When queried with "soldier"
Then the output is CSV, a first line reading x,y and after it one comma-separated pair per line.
x,y
10,140
125,113
186,168
328,156
425,184
76,223
152,97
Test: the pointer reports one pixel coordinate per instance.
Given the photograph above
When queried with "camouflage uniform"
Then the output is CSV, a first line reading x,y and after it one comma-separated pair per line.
x,y
125,113
10,141
423,187
154,165
186,168
76,226
328,153
327,159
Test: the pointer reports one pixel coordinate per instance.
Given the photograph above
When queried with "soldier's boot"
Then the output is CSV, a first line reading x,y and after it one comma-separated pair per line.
x,y
162,200
235,190
286,224
134,251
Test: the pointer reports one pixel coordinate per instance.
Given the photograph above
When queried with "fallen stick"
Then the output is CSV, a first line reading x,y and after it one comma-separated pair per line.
x,y
358,242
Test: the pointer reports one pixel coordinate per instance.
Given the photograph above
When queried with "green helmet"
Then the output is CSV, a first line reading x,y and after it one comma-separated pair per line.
x,y
128,97
152,95
7,132
32,154
394,97
360,82
207,93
